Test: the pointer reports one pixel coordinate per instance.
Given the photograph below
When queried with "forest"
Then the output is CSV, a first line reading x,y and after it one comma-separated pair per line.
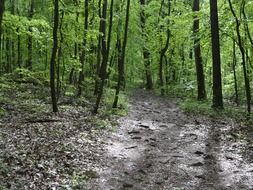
x,y
126,94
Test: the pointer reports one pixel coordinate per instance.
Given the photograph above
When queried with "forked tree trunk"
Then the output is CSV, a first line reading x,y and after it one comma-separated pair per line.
x,y
162,54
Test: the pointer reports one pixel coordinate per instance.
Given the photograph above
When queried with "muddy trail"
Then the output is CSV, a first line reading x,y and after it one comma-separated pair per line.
x,y
158,147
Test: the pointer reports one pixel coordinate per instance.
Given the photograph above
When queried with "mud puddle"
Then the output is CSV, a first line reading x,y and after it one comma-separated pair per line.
x,y
157,147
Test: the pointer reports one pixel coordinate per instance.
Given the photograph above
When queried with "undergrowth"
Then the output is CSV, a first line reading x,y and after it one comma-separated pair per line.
x,y
26,92
237,113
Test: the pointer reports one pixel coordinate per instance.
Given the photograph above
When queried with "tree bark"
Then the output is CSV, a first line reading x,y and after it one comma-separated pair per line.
x,y
197,53
54,55
217,81
121,77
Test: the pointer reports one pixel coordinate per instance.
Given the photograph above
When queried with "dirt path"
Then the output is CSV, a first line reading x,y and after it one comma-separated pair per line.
x,y
157,147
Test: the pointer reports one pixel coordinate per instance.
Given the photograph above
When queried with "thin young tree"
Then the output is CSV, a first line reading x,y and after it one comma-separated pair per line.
x,y
234,62
217,81
98,49
30,39
1,11
121,64
243,56
197,53
146,53
103,68
1,18
83,54
54,56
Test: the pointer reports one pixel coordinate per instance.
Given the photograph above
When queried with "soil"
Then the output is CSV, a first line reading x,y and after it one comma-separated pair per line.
x,y
155,147
158,147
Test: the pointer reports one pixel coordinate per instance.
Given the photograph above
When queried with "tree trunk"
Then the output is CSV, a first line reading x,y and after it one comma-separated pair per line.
x,y
83,54
1,18
98,51
54,56
30,40
235,77
146,53
197,53
245,72
121,77
162,54
102,74
110,29
217,83
58,80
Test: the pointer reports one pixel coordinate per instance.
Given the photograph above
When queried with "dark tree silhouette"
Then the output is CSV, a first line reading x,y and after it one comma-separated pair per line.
x,y
217,84
197,53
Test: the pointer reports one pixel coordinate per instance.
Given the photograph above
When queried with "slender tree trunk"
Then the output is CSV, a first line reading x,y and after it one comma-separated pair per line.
x,y
8,54
58,83
235,77
83,54
245,72
217,83
110,29
54,56
98,51
197,53
19,60
121,77
162,54
146,53
120,71
1,18
72,73
102,74
30,40
1,11
246,23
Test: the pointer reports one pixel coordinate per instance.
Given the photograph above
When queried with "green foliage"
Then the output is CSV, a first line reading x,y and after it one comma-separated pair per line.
x,y
23,75
203,108
122,108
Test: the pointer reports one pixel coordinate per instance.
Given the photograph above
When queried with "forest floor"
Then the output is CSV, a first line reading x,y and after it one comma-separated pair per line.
x,y
155,147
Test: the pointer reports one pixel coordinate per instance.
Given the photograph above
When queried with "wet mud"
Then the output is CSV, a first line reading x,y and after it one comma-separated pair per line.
x,y
158,147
